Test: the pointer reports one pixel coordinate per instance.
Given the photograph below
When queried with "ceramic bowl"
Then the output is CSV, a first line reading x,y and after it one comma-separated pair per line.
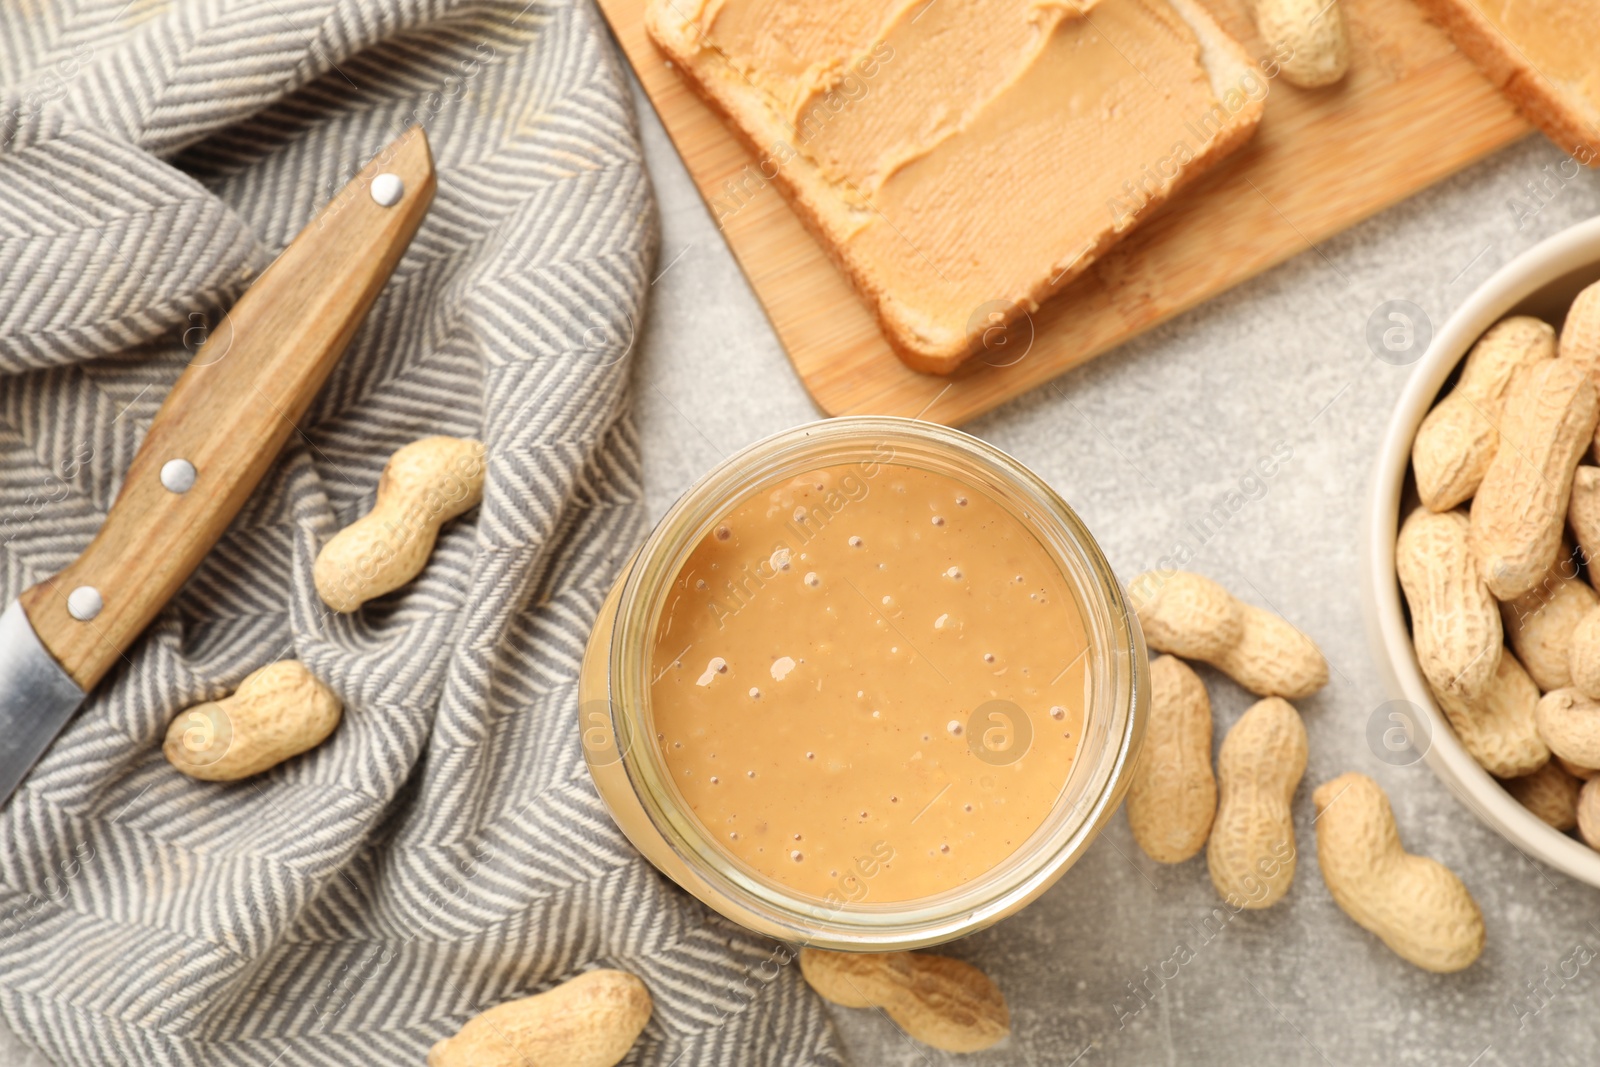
x,y
1541,282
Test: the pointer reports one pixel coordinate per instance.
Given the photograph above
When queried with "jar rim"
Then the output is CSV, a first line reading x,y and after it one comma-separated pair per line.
x,y
1095,783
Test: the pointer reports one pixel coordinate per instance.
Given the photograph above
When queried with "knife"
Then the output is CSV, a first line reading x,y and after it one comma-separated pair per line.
x,y
219,430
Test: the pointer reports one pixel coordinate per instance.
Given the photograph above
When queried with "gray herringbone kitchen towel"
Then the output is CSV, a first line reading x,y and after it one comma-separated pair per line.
x,y
444,850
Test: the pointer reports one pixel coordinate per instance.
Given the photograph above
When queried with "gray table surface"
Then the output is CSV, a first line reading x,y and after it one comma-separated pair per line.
x,y
1142,441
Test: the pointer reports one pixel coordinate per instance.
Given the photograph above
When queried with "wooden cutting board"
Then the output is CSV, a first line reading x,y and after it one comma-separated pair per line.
x,y
1412,111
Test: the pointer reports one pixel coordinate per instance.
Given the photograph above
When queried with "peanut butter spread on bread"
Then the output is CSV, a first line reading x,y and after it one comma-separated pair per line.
x,y
962,160
978,145
1558,38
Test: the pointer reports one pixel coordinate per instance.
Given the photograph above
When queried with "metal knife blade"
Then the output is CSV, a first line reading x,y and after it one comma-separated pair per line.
x,y
36,697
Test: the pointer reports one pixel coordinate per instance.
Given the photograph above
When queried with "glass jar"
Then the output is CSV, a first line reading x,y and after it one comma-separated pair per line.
x,y
629,771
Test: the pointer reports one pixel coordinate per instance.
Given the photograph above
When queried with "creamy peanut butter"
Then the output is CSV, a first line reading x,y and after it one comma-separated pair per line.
x,y
1558,38
869,682
982,146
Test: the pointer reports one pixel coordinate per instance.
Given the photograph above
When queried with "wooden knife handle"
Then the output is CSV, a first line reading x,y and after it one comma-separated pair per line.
x,y
230,413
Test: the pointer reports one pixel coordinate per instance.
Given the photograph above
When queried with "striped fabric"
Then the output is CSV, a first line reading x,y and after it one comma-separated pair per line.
x,y
444,850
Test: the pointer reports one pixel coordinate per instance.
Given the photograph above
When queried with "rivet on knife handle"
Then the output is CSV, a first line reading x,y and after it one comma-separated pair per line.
x,y
229,414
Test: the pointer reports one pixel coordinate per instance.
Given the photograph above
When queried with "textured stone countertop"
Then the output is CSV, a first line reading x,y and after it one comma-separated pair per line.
x,y
1141,442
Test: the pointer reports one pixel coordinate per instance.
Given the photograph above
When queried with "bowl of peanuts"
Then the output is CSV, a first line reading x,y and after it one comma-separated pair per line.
x,y
1480,558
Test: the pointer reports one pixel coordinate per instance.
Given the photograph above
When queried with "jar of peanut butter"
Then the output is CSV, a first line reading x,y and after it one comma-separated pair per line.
x,y
870,684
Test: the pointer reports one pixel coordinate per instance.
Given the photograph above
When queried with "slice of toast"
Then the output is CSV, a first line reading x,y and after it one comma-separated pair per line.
x,y
1543,54
959,189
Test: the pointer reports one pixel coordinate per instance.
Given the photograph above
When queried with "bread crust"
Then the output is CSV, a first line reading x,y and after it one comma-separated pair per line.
x,y
823,213
1543,103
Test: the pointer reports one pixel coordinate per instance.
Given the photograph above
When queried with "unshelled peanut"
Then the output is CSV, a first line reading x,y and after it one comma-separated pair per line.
x,y
1569,722
1312,34
1520,510
1549,793
423,486
1541,623
1415,905
1498,728
1173,796
1194,617
588,1021
1455,621
1577,771
278,711
1583,515
1583,654
1580,334
1458,438
1588,815
936,1000
1251,854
